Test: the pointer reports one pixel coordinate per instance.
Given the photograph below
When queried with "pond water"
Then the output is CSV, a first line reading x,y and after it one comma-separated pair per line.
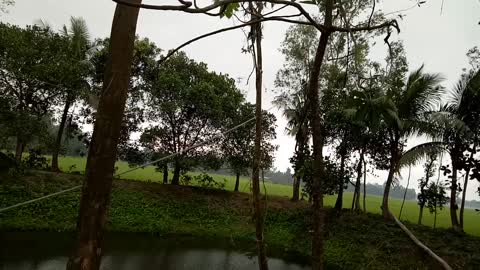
x,y
49,251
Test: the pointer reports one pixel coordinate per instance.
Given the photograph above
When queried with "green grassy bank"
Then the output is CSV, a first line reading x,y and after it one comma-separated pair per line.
x,y
410,211
354,241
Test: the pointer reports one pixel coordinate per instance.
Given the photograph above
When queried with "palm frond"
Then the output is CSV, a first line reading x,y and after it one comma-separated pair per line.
x,y
42,24
418,153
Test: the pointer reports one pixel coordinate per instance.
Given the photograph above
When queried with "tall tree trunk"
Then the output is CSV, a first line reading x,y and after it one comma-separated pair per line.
x,y
364,186
420,214
356,197
300,151
237,181
453,197
165,173
257,204
388,184
341,180
405,193
317,136
103,148
435,218
464,194
61,128
176,173
296,188
19,150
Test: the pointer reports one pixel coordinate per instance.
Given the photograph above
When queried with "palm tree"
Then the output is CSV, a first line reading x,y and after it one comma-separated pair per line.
x,y
79,38
458,124
294,109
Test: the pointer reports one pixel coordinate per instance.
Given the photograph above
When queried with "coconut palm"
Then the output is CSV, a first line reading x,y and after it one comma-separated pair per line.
x,y
79,37
295,111
457,123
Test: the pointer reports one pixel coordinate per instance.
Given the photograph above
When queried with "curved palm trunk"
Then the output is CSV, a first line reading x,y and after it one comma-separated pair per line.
x,y
453,197
388,184
61,128
103,149
405,193
257,204
318,170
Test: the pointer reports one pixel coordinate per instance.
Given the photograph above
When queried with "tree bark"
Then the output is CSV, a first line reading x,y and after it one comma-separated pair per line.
x,y
237,182
405,193
341,181
356,197
165,173
464,194
317,136
453,197
61,128
257,204
176,173
300,148
19,150
103,148
364,186
388,184
296,188
420,214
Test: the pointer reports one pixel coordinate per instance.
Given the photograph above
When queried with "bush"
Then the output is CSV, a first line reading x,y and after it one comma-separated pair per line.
x,y
35,160
206,181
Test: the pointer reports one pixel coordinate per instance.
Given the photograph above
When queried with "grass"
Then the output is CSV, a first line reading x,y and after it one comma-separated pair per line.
x,y
353,241
409,213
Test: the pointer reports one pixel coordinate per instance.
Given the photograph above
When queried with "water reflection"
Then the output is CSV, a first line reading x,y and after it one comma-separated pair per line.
x,y
48,251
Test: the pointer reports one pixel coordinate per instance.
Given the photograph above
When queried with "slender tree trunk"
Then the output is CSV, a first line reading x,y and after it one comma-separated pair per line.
x,y
388,184
103,148
420,214
237,182
405,193
453,197
296,188
257,204
19,150
435,218
364,186
300,149
317,136
341,180
465,185
61,128
165,173
356,200
176,173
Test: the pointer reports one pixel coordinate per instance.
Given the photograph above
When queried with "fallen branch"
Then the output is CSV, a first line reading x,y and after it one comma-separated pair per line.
x,y
420,244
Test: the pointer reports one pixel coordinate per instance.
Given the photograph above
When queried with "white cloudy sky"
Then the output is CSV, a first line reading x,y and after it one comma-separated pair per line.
x,y
437,39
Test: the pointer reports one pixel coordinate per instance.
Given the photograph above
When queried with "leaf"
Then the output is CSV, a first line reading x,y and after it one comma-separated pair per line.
x,y
229,10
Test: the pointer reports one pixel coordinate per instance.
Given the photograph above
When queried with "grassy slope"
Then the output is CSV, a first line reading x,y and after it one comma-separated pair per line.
x,y
410,211
353,241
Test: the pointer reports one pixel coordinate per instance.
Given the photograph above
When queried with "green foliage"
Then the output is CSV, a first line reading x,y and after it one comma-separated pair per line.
x,y
35,160
206,181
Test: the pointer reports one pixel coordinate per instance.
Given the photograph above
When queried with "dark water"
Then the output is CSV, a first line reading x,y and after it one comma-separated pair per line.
x,y
49,251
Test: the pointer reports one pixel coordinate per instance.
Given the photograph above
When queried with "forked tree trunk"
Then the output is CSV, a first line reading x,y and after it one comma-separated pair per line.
x,y
61,128
257,204
19,150
237,182
317,136
356,197
165,173
341,180
103,148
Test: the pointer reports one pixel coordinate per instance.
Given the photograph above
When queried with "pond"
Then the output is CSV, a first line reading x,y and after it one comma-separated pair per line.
x,y
42,251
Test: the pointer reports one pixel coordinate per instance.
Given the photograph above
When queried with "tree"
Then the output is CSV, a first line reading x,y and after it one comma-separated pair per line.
x,y
429,169
35,67
237,147
435,198
103,148
187,105
77,34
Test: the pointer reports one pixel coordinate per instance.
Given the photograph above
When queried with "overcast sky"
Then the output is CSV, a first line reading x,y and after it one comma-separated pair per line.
x,y
437,38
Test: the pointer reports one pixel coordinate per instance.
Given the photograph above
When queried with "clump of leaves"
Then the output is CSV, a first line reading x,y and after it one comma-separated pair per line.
x,y
35,160
206,181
